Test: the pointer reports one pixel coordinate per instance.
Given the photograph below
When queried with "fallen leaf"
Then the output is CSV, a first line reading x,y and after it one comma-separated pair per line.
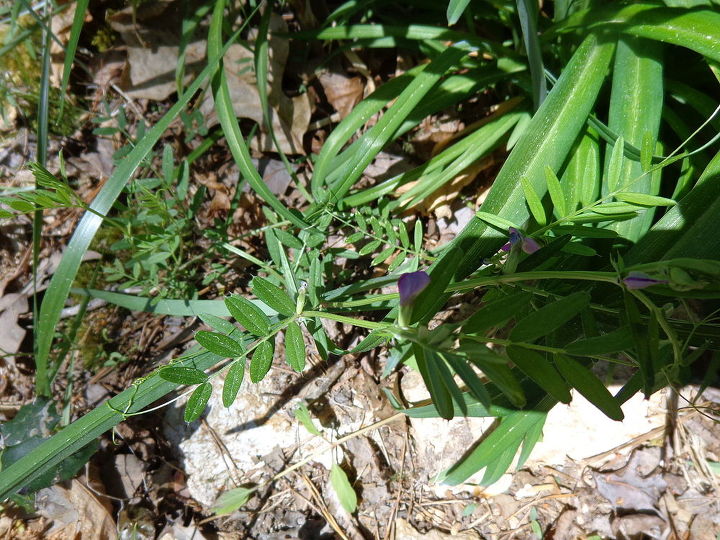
x,y
342,92
11,333
75,513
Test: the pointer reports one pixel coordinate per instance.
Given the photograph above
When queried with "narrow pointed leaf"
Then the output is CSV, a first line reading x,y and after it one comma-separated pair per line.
x,y
295,346
232,500
533,201
642,199
343,488
302,414
183,375
261,361
581,378
615,341
197,402
219,344
549,317
233,381
540,370
438,392
273,296
248,315
556,193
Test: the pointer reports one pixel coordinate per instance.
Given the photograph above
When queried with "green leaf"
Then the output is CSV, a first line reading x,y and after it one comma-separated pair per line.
x,y
232,500
439,394
533,201
295,346
233,380
219,344
418,236
496,369
273,296
512,430
302,414
382,256
615,165
615,341
218,324
496,313
197,402
261,361
537,367
248,315
556,192
183,375
470,378
343,489
581,378
369,248
455,10
642,199
229,122
549,317
496,221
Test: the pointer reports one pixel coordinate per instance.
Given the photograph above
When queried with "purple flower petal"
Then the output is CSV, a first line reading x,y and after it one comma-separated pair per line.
x,y
639,280
529,245
515,236
412,284
506,247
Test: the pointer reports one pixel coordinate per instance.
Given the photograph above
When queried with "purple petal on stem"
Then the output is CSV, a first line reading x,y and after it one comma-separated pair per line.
x,y
529,245
515,236
639,280
412,284
506,247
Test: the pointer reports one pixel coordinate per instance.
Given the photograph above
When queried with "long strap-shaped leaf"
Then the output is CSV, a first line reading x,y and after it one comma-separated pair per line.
x,y
62,280
548,140
229,123
375,139
52,452
697,29
636,105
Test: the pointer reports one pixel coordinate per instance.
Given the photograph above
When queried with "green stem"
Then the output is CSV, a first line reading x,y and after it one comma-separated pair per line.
x,y
347,320
605,277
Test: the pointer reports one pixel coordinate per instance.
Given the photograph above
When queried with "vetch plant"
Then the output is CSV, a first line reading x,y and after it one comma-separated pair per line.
x,y
603,219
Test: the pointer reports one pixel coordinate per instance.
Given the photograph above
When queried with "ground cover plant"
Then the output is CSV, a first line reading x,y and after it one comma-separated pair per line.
x,y
595,250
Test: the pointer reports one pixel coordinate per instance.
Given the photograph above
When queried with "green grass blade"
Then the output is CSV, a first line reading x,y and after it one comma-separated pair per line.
x,y
77,24
378,136
229,123
86,429
455,10
697,29
42,374
528,13
61,281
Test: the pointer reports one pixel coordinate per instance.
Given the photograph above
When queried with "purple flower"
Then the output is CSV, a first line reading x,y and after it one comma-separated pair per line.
x,y
412,284
528,245
639,280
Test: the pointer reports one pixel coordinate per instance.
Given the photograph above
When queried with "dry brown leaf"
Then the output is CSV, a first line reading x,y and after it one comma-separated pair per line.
x,y
76,513
342,92
11,333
